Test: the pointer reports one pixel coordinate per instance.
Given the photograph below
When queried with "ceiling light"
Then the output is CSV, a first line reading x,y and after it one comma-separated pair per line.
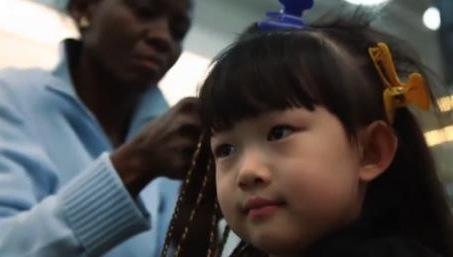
x,y
431,18
366,2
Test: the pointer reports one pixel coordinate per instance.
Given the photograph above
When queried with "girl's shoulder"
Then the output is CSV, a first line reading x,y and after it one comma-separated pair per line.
x,y
372,246
392,247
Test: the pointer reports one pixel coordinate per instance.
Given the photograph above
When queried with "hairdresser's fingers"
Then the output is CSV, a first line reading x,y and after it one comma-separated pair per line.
x,y
163,147
187,105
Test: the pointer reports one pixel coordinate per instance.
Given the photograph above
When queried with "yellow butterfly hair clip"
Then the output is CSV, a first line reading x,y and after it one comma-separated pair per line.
x,y
396,93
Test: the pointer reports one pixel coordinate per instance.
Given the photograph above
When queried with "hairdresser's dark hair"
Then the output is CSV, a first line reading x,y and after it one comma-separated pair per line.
x,y
73,3
329,65
85,3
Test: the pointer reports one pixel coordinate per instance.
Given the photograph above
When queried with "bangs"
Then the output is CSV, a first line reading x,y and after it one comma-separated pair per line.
x,y
253,77
274,71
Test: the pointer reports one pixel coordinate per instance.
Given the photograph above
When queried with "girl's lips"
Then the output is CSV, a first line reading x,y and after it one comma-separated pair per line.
x,y
257,206
263,212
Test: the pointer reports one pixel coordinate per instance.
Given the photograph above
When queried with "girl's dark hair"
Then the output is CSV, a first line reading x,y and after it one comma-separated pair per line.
x,y
330,66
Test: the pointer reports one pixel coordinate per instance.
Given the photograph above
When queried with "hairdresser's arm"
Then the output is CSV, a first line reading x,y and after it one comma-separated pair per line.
x,y
38,218
163,148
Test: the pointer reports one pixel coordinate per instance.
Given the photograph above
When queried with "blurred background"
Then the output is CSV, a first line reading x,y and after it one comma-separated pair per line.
x,y
30,32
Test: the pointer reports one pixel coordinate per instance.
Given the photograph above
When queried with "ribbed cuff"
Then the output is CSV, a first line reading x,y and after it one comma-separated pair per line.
x,y
100,210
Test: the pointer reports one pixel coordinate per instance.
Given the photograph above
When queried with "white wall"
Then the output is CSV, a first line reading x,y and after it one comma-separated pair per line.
x,y
30,34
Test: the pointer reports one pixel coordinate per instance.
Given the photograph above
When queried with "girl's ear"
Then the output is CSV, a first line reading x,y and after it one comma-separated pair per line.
x,y
378,144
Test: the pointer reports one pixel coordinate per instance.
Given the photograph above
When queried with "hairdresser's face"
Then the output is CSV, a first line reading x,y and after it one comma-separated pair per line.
x,y
136,41
285,179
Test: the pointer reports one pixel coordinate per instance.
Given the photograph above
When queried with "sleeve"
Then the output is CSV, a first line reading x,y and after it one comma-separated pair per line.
x,y
87,217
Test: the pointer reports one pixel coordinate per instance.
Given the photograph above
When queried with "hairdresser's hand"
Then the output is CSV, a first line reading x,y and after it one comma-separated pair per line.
x,y
163,148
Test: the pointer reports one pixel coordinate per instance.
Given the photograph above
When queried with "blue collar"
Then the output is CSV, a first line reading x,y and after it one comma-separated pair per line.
x,y
152,103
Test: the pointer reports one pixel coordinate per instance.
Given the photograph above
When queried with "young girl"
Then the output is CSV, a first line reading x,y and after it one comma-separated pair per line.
x,y
314,152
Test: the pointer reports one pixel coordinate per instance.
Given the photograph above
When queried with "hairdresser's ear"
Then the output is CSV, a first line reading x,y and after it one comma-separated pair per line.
x,y
82,12
378,144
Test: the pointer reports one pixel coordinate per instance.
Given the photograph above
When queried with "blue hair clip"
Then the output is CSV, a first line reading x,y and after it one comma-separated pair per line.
x,y
290,17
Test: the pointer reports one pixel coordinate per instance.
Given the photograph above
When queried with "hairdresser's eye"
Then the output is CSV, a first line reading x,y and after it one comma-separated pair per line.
x,y
279,132
223,151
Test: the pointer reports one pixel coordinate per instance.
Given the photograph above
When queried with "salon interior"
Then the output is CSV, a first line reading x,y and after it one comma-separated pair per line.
x,y
31,30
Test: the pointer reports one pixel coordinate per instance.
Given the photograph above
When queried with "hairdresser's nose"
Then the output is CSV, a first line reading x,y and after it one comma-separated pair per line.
x,y
253,169
159,35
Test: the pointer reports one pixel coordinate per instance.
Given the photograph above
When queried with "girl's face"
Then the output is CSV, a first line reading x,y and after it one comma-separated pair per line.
x,y
287,178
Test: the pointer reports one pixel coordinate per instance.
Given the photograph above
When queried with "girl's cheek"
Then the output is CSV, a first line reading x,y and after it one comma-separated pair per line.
x,y
224,196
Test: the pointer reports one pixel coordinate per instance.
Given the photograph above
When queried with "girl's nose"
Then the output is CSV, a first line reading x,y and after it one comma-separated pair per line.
x,y
253,170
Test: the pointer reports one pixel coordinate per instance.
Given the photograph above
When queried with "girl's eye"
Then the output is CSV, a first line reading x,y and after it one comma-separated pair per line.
x,y
223,151
279,132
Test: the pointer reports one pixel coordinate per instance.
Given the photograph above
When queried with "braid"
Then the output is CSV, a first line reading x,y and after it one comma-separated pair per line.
x,y
213,247
191,233
182,196
191,219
